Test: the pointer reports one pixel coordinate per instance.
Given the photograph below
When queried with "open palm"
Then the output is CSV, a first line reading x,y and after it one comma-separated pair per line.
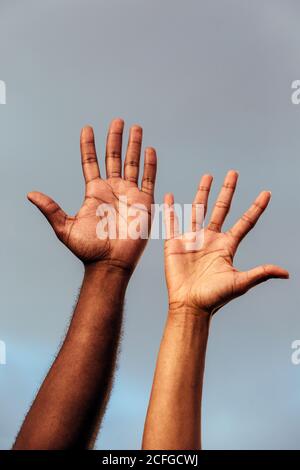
x,y
79,232
205,279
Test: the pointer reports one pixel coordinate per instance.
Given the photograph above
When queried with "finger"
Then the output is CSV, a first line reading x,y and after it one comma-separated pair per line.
x,y
223,203
150,165
89,160
199,206
114,149
51,210
253,277
170,217
250,217
132,160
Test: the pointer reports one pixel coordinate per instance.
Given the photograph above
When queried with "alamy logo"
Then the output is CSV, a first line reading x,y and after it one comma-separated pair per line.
x,y
295,358
2,92
2,353
295,96
133,222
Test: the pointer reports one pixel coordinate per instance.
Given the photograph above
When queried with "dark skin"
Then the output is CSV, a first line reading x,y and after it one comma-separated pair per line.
x,y
199,283
69,407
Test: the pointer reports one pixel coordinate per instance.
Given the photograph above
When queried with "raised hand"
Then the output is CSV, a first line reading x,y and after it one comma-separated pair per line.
x,y
201,278
78,232
78,385
206,279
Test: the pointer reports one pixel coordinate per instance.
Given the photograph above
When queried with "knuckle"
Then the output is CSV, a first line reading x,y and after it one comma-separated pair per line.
x,y
114,154
248,220
229,186
223,205
132,163
214,226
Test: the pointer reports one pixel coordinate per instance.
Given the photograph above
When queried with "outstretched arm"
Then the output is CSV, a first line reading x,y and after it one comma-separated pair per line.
x,y
174,413
71,402
200,280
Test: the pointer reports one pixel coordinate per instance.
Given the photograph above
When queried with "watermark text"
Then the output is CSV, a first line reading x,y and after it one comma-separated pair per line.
x,y
2,92
2,353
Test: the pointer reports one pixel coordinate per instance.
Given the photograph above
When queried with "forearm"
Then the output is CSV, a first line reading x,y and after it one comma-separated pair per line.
x,y
174,413
73,397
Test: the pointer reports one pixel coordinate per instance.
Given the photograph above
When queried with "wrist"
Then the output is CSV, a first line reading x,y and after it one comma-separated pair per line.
x,y
108,269
106,281
100,301
189,321
186,310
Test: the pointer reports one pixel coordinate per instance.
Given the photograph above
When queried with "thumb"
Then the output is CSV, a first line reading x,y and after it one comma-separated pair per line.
x,y
260,274
51,210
